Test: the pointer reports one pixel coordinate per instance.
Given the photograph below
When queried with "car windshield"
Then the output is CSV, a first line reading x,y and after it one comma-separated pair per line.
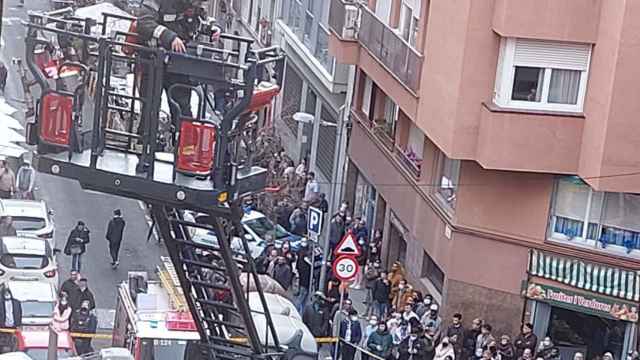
x,y
24,262
159,349
41,353
37,309
262,226
25,223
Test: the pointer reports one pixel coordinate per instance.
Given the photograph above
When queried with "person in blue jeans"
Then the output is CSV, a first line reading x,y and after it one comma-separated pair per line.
x,y
77,245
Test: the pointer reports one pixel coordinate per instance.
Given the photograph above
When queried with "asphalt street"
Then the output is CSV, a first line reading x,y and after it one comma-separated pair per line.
x,y
71,204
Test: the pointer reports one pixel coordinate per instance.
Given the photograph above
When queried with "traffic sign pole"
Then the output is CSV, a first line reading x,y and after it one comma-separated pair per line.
x,y
339,310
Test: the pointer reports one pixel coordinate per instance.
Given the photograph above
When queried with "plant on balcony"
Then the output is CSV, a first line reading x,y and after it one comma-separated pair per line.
x,y
413,157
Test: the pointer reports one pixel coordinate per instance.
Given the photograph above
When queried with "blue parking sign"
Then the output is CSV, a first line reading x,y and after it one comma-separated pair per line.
x,y
314,221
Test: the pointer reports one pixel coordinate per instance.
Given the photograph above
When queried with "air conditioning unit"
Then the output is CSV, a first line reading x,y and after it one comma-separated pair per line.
x,y
350,22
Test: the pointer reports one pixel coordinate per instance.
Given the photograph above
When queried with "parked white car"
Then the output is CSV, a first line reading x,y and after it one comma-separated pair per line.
x,y
37,299
27,258
259,230
30,218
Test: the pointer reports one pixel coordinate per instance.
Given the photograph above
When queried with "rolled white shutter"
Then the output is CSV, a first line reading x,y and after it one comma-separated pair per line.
x,y
552,54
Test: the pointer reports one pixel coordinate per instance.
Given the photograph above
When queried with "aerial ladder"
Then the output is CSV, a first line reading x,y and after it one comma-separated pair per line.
x,y
207,171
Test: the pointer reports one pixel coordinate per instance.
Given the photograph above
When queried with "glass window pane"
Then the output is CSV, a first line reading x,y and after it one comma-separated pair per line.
x,y
449,172
571,198
527,84
564,86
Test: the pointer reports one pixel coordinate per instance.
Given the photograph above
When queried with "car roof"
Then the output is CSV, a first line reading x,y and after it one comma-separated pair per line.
x,y
30,208
32,290
251,215
23,245
39,338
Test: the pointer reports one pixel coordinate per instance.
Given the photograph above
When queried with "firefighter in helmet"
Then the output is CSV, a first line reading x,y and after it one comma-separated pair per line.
x,y
171,24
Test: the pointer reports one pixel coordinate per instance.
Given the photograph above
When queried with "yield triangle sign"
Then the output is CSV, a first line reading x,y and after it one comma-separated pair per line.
x,y
348,246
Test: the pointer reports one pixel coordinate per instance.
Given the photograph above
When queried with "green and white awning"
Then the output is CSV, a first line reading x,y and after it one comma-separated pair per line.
x,y
624,284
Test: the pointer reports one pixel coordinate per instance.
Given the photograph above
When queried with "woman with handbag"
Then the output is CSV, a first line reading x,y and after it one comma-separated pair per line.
x,y
76,245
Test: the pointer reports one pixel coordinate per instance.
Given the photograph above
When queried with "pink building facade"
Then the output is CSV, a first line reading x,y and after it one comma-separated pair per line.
x,y
494,142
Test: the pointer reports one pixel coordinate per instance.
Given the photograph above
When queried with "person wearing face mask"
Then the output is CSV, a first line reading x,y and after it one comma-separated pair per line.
x,y
380,342
413,347
371,274
282,272
444,350
527,354
423,306
506,349
455,333
432,320
369,329
350,335
409,314
10,318
83,294
525,340
483,340
83,321
380,294
61,315
544,349
401,332
394,322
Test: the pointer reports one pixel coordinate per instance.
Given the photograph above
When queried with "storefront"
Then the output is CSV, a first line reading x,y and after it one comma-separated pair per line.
x,y
582,306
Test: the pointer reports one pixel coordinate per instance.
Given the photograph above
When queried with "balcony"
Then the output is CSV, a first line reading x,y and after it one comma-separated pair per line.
x,y
390,49
381,131
384,43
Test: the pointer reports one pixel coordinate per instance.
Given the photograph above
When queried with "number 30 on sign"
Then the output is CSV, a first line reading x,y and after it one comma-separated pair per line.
x,y
345,268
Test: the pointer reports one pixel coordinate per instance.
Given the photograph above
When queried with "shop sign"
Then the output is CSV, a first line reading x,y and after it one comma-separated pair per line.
x,y
583,302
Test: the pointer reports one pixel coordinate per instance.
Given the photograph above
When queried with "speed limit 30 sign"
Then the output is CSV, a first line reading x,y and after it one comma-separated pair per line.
x,y
345,268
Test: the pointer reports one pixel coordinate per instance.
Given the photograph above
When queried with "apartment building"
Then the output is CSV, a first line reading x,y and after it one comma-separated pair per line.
x,y
495,144
314,82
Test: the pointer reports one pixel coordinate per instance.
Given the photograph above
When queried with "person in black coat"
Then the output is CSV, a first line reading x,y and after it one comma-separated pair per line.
x,y
282,272
83,321
380,294
77,245
83,294
115,228
317,316
10,318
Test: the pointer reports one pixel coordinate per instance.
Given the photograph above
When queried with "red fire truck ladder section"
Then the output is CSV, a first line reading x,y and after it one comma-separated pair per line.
x,y
203,168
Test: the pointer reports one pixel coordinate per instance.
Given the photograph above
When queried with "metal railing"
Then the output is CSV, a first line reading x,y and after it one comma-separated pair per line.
x,y
386,45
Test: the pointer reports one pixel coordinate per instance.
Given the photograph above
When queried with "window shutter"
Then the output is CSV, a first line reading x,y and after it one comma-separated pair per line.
x,y
552,54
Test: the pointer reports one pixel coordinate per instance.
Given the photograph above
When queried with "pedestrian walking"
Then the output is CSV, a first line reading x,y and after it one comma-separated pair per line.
x,y
77,245
10,318
3,76
6,227
115,229
25,181
7,180
350,335
83,321
61,315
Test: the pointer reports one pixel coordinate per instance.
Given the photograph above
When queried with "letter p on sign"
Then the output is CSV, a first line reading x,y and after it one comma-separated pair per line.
x,y
314,221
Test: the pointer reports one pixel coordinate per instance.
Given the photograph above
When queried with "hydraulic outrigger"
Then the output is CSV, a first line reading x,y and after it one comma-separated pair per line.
x,y
75,139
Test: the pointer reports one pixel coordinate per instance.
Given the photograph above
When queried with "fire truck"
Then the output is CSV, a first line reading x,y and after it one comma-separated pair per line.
x,y
153,321
210,170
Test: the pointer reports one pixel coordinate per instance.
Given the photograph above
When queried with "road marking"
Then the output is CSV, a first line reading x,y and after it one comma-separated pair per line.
x,y
143,207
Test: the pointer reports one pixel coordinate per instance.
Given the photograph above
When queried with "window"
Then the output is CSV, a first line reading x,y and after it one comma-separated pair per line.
x,y
366,96
321,51
603,220
390,117
432,271
449,170
409,19
33,308
25,223
24,262
542,75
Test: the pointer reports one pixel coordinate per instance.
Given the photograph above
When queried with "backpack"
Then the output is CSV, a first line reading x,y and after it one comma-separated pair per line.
x,y
24,178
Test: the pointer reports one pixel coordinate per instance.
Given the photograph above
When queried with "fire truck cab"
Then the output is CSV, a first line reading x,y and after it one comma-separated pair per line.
x,y
152,319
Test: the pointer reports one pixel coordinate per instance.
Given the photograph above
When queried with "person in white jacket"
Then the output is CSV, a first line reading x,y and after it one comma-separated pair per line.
x,y
444,350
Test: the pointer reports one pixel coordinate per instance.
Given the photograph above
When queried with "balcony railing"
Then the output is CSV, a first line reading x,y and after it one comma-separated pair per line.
x,y
343,17
390,49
